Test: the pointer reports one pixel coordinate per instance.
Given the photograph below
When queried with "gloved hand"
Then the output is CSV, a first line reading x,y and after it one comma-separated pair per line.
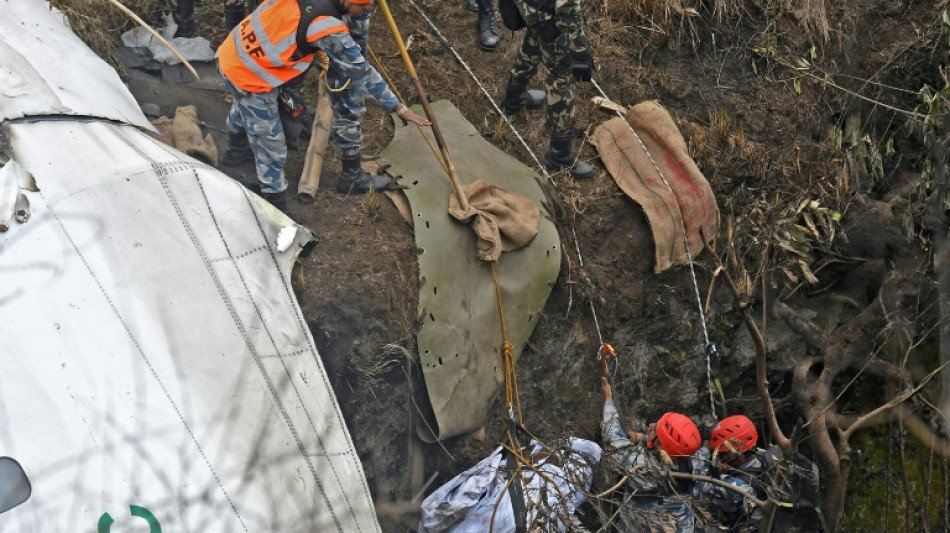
x,y
583,66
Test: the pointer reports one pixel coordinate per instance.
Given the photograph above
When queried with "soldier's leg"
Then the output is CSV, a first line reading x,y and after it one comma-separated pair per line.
x,y
185,18
234,12
525,66
559,84
238,151
347,133
261,120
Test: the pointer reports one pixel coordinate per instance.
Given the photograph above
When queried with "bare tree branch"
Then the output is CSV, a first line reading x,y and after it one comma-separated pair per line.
x,y
723,484
761,364
868,418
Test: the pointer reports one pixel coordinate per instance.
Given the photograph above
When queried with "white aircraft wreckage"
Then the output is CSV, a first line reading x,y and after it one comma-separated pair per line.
x,y
154,364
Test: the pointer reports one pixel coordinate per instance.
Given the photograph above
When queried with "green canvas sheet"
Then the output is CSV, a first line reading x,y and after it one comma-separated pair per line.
x,y
459,334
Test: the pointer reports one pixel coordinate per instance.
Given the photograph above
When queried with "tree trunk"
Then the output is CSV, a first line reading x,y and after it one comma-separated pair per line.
x,y
942,269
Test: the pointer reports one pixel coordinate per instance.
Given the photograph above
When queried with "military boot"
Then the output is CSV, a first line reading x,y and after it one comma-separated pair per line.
x,y
184,16
518,97
487,25
355,180
562,155
278,200
186,27
238,151
234,13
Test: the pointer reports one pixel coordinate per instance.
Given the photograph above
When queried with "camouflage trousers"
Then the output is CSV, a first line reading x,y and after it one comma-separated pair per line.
x,y
348,106
257,115
556,58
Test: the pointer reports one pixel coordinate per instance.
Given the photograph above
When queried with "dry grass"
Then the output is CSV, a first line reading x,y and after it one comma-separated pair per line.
x,y
99,24
675,18
375,367
726,126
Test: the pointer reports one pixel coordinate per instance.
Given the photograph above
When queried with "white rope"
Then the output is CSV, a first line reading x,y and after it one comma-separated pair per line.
x,y
689,256
580,258
511,126
478,82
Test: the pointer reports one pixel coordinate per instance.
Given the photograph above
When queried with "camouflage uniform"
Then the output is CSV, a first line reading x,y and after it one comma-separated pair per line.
x,y
258,113
650,503
798,491
554,32
347,55
729,507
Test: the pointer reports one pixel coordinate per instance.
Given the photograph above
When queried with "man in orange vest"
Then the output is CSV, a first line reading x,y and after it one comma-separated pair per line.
x,y
274,45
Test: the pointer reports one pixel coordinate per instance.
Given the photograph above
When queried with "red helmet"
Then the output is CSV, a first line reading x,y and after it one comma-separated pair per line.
x,y
678,434
738,430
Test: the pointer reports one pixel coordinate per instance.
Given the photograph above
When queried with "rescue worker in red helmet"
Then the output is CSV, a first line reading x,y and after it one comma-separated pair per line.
x,y
733,436
734,458
651,502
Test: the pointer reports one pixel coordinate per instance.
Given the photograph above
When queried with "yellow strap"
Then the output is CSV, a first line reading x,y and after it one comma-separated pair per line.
x,y
324,60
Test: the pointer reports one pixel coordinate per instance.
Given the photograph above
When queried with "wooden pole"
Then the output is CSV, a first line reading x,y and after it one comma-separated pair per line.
x,y
450,167
319,138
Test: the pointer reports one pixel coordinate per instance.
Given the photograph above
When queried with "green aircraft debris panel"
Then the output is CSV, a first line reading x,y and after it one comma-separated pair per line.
x,y
459,329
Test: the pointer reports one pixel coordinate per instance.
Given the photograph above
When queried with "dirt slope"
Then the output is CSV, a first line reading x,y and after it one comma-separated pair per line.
x,y
753,134
766,134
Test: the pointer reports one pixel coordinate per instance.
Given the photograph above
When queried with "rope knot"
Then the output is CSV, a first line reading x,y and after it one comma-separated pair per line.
x,y
324,60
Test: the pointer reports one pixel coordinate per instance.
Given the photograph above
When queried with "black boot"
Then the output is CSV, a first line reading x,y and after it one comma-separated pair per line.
x,y
185,18
238,151
186,28
518,97
233,15
562,155
355,180
278,200
487,25
471,5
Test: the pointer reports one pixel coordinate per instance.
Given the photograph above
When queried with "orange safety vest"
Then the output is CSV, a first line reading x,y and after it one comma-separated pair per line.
x,y
261,52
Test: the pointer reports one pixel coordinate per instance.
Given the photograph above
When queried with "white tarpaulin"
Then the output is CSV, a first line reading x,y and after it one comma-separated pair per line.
x,y
469,502
154,363
191,48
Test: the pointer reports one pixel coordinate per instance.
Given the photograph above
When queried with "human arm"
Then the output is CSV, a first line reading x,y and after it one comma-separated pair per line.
x,y
345,56
612,431
629,456
359,29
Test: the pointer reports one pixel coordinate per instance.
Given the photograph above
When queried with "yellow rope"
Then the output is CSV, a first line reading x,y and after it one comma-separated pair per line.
x,y
324,61
512,397
511,378
385,73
